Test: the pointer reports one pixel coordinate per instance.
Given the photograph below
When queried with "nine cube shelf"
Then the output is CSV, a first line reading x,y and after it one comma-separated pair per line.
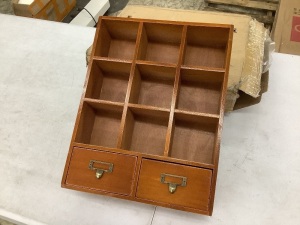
x,y
154,99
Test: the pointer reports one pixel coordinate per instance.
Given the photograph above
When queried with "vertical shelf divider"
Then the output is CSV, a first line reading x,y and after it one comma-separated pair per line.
x,y
171,124
216,152
129,87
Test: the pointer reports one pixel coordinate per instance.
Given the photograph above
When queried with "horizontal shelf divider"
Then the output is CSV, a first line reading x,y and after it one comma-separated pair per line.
x,y
153,63
110,59
147,107
144,155
179,111
179,161
198,24
103,148
203,68
102,102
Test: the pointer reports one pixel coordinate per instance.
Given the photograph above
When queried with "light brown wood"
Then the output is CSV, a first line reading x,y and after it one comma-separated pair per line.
x,y
145,155
99,125
205,46
160,46
194,195
153,85
200,91
119,181
249,3
146,130
154,98
194,138
219,128
117,39
257,9
108,81
170,130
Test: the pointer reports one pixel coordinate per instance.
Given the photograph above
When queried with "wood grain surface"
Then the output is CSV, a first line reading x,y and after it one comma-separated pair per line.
x,y
194,195
120,181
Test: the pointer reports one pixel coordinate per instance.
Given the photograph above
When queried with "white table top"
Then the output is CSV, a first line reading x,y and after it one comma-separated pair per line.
x,y
42,71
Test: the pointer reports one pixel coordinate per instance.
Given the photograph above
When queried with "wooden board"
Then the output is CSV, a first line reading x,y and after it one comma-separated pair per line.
x,y
248,3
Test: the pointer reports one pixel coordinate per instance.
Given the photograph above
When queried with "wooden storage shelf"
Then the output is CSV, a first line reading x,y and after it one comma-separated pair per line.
x,y
145,130
99,124
160,43
153,85
149,123
200,91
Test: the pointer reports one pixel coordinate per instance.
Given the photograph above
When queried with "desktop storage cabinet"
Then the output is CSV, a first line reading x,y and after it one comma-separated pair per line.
x,y
149,122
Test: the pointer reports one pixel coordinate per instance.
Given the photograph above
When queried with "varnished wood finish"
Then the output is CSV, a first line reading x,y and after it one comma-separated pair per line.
x,y
194,195
197,87
117,39
194,138
147,130
152,83
108,80
119,181
158,47
99,125
153,102
206,49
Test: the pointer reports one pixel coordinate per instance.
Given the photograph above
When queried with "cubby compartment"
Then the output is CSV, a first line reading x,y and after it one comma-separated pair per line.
x,y
108,80
160,43
99,124
206,46
200,91
117,39
145,130
193,137
153,85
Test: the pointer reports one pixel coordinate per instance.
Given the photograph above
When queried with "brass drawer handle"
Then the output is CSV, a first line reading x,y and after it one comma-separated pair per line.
x,y
173,186
99,171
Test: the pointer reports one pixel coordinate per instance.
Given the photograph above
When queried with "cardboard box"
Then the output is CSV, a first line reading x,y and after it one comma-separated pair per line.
x,y
286,32
55,10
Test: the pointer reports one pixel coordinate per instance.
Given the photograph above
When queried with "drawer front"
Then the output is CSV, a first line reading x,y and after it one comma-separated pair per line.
x,y
174,184
104,171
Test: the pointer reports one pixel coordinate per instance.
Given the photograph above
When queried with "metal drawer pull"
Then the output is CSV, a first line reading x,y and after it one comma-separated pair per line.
x,y
172,186
99,171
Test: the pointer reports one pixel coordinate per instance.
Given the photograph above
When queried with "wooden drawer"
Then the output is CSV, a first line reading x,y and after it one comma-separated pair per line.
x,y
86,164
156,179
